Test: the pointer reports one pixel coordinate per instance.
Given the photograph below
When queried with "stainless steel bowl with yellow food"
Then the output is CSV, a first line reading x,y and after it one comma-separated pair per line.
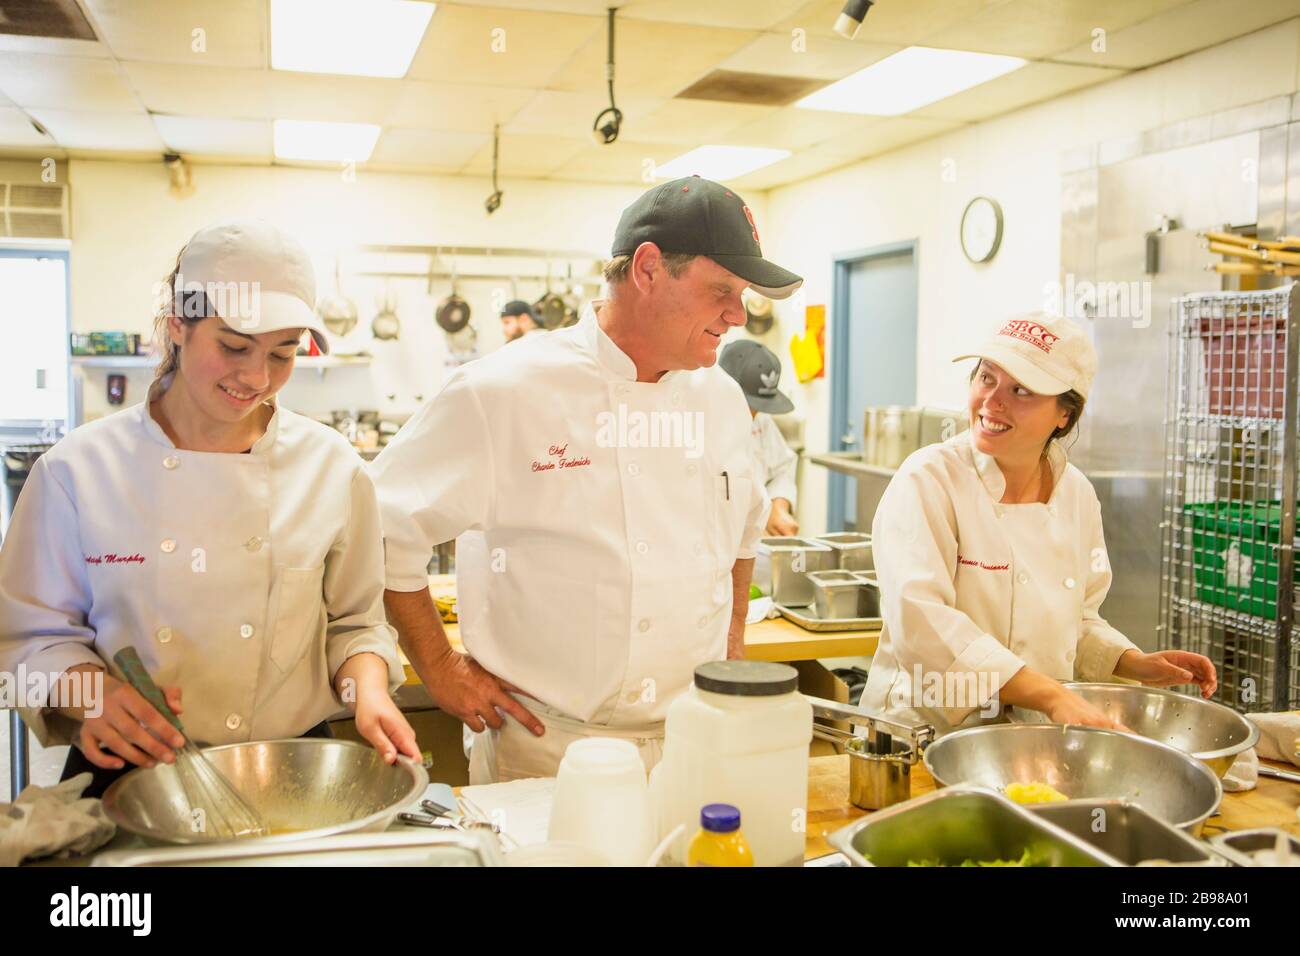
x,y
303,788
1210,732
1079,763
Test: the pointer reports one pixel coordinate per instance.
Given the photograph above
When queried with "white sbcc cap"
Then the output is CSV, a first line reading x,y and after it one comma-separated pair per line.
x,y
257,278
1049,355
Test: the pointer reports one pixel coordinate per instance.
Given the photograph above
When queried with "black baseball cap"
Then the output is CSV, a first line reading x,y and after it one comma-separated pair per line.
x,y
699,217
519,307
758,371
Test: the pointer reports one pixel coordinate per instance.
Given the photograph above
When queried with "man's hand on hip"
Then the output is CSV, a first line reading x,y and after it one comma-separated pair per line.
x,y
467,691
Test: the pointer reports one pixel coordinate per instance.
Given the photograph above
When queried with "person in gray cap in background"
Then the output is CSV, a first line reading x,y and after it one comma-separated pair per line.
x,y
606,532
518,320
757,370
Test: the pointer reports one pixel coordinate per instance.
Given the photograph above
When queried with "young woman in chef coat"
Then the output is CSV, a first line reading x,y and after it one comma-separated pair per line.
x,y
233,543
991,559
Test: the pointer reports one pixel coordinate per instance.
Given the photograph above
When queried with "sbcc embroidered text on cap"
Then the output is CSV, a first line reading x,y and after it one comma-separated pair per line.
x,y
1049,355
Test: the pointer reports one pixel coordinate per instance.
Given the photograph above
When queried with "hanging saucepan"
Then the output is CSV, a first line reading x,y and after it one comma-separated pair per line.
x,y
386,325
759,314
453,313
572,300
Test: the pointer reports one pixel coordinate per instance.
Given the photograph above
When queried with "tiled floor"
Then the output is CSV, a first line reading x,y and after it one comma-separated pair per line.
x,y
46,763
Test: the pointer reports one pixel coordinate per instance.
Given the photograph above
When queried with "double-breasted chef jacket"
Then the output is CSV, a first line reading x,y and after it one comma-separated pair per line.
x,y
597,518
972,589
246,579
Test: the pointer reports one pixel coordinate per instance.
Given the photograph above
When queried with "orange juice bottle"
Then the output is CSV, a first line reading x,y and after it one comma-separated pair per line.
x,y
719,842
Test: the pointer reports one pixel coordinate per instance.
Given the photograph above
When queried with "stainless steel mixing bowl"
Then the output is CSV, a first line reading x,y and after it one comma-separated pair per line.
x,y
1083,763
303,788
1210,732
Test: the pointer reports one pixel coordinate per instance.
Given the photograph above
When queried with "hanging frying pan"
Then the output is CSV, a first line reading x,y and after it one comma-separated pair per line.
x,y
453,313
550,308
386,326
337,311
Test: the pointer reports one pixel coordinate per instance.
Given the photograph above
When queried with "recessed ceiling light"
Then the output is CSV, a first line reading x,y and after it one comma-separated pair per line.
x,y
908,80
327,142
720,162
353,37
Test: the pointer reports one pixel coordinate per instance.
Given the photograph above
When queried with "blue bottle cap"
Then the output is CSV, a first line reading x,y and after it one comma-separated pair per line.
x,y
720,818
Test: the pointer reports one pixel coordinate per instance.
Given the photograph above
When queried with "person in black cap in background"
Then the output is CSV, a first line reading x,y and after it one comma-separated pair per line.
x,y
518,320
605,533
757,371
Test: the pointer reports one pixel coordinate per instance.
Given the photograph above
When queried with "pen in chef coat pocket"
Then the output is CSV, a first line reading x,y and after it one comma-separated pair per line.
x,y
726,482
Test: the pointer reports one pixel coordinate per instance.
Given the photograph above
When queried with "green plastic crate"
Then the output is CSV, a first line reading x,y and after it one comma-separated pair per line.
x,y
1247,580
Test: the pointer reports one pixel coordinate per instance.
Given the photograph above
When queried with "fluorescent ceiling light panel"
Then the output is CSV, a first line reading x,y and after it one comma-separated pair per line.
x,y
908,80
352,37
327,142
720,162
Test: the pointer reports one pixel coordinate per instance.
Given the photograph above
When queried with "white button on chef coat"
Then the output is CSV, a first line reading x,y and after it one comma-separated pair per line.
x,y
253,544
954,605
592,552
233,722
79,581
171,462
245,631
775,464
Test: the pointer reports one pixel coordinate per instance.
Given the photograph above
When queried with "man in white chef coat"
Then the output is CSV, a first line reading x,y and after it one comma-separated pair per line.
x,y
599,484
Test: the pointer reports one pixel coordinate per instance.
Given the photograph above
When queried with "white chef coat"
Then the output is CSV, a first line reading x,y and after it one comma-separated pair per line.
x,y
593,570
972,589
774,463
245,579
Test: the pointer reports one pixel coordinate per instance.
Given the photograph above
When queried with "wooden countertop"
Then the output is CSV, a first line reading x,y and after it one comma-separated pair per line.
x,y
1272,804
772,640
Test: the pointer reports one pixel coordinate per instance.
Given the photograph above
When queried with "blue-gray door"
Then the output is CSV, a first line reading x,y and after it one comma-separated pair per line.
x,y
873,343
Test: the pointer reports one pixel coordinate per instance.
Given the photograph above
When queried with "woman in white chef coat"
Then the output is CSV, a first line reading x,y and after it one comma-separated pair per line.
x,y
757,371
991,559
234,544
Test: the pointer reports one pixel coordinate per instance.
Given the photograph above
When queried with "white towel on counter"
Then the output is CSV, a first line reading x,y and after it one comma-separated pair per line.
x,y
50,821
1279,739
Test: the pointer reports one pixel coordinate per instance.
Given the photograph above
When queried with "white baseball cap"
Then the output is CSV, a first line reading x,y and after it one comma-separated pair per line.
x,y
257,278
1049,355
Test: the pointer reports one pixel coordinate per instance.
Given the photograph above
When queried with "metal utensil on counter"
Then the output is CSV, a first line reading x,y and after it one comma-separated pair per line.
x,y
224,812
880,764
461,822
1287,775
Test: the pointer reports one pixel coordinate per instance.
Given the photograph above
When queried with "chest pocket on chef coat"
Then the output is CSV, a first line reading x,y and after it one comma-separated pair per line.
x,y
729,508
298,615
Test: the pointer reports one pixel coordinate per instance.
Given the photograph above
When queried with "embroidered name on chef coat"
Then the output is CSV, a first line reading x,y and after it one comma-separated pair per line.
x,y
115,559
980,564
557,456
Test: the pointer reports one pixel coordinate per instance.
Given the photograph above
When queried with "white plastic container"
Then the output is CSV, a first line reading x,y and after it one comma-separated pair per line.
x,y
739,735
602,801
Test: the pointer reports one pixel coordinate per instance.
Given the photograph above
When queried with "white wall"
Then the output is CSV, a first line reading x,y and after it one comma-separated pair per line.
x,y
1016,160
127,230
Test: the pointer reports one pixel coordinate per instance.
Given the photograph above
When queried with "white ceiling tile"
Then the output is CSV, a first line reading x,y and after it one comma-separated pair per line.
x,y
695,122
817,57
802,165
1031,83
109,132
882,136
427,148
229,33
1039,28
796,129
499,46
202,90
208,136
65,82
332,99
1190,27
53,46
748,15
620,162
16,129
552,112
592,8
527,157
651,59
446,106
